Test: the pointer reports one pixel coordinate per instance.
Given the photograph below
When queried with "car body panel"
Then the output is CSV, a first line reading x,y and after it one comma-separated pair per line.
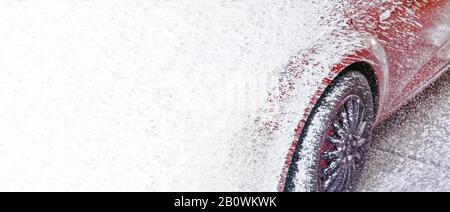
x,y
406,44
412,53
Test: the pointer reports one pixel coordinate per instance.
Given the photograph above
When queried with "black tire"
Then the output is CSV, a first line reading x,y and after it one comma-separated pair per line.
x,y
331,151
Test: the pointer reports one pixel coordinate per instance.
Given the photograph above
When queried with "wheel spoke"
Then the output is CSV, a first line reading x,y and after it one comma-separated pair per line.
x,y
359,143
336,142
331,179
358,156
345,119
349,107
332,174
333,155
357,114
339,130
331,168
361,122
352,164
361,129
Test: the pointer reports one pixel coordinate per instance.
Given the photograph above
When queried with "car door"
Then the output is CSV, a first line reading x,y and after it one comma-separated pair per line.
x,y
437,35
403,28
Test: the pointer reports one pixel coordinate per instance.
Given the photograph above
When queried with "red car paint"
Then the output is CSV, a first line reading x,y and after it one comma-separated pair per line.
x,y
409,48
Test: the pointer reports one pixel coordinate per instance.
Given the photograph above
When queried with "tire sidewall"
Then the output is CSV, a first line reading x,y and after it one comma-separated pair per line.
x,y
305,160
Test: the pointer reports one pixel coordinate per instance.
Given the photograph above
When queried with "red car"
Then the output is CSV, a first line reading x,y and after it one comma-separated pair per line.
x,y
397,49
207,95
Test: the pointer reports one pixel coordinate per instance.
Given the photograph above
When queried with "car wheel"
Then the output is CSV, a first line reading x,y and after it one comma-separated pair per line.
x,y
330,154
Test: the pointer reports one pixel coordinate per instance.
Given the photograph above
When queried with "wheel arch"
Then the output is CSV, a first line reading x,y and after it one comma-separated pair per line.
x,y
369,73
367,70
372,62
